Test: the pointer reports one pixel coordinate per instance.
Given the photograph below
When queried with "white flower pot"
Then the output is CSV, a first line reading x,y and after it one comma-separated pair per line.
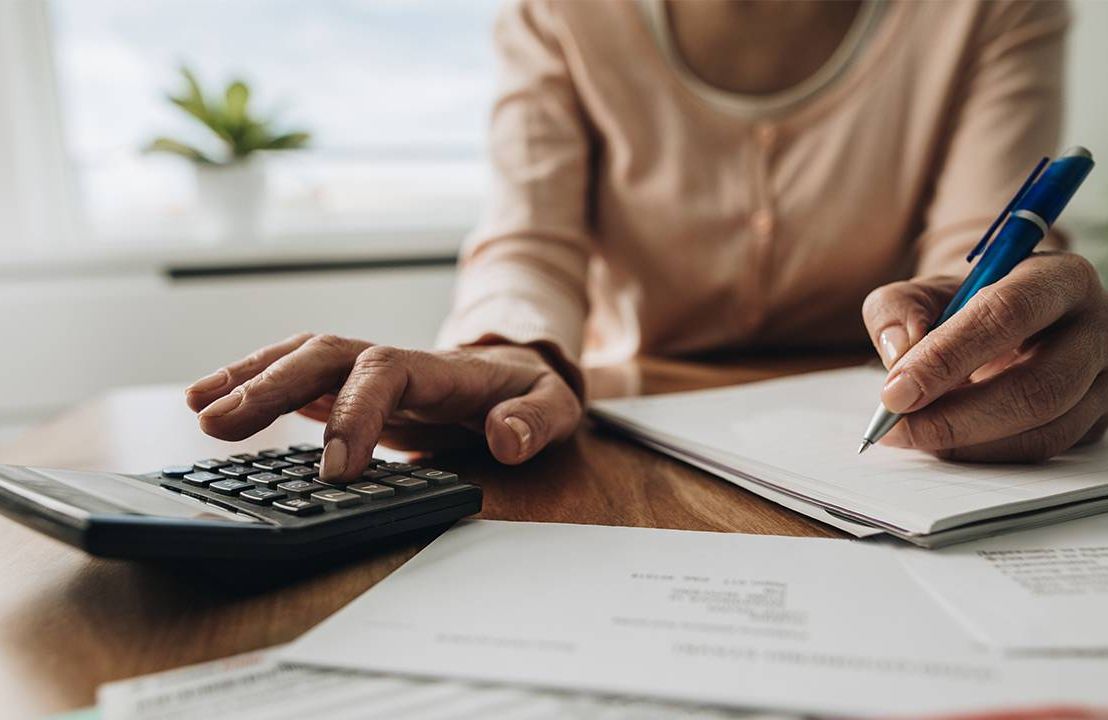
x,y
231,199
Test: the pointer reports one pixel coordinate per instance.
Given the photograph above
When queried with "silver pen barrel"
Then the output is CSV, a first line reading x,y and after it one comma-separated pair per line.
x,y
882,422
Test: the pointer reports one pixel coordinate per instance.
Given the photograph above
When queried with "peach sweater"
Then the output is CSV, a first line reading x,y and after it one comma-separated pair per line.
x,y
635,209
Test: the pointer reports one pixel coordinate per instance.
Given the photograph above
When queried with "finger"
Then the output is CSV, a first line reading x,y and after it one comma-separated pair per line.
x,y
208,389
1000,317
314,369
520,427
442,387
1043,442
1047,383
898,315
1096,432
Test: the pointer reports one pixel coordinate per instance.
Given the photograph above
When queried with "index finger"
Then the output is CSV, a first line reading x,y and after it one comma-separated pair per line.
x,y
207,390
1000,317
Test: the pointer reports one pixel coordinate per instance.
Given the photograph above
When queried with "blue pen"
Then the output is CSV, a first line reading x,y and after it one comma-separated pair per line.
x,y
1026,221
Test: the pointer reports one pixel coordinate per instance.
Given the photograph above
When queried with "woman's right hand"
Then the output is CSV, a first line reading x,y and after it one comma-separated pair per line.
x,y
406,398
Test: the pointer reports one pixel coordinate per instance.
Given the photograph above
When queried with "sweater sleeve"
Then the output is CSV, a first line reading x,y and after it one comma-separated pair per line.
x,y
1008,115
522,272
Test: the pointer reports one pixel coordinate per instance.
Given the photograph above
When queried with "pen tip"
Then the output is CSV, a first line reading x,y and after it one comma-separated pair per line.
x,y
862,448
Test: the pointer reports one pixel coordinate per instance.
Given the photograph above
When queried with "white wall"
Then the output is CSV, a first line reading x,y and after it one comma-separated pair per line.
x,y
1087,102
68,339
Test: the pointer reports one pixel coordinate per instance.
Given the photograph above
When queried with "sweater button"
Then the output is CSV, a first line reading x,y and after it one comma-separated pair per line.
x,y
763,223
766,134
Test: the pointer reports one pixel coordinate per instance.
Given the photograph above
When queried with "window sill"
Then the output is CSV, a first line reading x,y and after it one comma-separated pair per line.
x,y
279,252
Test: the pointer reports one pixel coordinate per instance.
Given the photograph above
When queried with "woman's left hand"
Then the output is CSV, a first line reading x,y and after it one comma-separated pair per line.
x,y
1017,375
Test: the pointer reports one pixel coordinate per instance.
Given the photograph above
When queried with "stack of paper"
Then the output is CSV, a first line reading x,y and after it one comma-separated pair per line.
x,y
789,624
797,438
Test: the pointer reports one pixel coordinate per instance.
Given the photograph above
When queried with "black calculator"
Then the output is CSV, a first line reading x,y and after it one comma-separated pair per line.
x,y
265,506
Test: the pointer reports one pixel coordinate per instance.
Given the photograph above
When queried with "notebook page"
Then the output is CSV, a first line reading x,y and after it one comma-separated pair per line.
x,y
802,433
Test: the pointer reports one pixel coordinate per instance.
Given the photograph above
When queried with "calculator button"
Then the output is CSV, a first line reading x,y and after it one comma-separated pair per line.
x,y
261,495
375,475
303,448
202,478
229,487
398,467
298,506
303,458
404,483
244,458
176,471
436,477
211,464
237,471
300,487
267,464
373,491
275,453
338,498
267,479
299,472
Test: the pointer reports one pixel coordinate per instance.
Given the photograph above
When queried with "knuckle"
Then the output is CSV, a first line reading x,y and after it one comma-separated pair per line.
x,y
265,390
1042,444
931,431
379,357
1040,393
1084,272
935,364
1003,311
329,342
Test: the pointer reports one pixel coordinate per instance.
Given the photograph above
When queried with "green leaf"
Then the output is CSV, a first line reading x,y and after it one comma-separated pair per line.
x,y
178,148
288,141
237,97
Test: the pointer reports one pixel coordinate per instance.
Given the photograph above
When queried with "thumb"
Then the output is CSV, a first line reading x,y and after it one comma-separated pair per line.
x,y
899,314
521,426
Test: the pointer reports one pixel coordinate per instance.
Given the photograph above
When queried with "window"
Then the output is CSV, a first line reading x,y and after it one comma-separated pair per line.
x,y
395,93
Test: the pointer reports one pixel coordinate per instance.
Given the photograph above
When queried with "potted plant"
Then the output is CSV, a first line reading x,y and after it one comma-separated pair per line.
x,y
231,181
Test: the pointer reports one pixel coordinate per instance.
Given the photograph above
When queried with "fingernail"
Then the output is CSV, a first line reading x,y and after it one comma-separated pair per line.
x,y
522,431
212,382
222,406
333,463
901,393
893,342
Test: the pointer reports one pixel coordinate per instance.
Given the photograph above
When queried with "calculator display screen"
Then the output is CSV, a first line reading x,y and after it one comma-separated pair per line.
x,y
107,493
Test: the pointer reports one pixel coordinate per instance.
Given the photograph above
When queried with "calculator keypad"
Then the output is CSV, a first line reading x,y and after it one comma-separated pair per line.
x,y
338,498
300,487
203,478
287,481
298,506
229,487
261,495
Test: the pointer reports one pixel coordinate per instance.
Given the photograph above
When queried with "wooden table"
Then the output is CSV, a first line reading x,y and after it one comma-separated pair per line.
x,y
69,622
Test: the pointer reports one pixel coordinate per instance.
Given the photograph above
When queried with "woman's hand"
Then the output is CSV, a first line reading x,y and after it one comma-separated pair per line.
x,y
1018,374
409,398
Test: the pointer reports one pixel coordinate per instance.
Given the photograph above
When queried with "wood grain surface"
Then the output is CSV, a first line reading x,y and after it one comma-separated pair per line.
x,y
69,622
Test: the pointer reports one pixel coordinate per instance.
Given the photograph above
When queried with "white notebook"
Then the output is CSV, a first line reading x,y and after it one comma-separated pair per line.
x,y
799,436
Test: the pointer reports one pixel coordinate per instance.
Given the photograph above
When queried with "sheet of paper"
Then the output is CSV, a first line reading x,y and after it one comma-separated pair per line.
x,y
812,510
255,686
1036,590
791,624
801,434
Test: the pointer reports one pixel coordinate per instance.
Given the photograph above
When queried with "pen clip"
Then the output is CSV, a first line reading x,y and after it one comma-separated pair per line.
x,y
984,243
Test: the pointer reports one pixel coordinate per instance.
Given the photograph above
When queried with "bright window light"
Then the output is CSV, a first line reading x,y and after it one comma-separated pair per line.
x,y
396,95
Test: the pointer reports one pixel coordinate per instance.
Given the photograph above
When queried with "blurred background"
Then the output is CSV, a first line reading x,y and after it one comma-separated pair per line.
x,y
361,131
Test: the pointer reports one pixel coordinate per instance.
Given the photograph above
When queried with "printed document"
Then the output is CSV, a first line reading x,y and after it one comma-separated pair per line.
x,y
1036,590
255,686
787,624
